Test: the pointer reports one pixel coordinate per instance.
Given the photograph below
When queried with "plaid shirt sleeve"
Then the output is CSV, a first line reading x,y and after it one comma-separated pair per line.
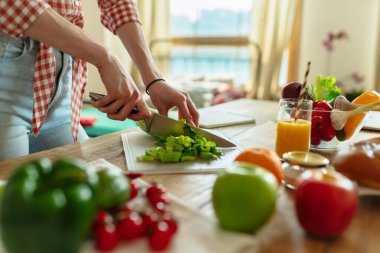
x,y
17,15
115,13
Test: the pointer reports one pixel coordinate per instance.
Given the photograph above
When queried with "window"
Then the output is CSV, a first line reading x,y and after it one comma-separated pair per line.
x,y
210,17
210,38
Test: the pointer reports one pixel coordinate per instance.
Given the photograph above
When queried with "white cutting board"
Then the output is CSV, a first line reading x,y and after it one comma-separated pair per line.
x,y
136,143
214,118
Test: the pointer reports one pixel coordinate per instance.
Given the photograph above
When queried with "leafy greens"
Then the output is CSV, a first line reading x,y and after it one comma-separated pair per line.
x,y
186,147
325,88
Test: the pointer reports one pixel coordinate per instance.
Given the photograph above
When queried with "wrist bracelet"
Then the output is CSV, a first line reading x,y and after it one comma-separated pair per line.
x,y
152,82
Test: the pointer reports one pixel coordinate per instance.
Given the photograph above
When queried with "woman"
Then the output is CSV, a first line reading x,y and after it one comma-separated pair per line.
x,y
43,55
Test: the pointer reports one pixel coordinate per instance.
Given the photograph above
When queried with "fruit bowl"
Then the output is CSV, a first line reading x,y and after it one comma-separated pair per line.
x,y
325,138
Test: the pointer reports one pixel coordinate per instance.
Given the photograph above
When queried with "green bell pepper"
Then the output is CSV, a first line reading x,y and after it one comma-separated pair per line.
x,y
113,188
48,207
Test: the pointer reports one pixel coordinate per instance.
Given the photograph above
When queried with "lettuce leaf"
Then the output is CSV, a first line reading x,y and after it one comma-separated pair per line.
x,y
324,89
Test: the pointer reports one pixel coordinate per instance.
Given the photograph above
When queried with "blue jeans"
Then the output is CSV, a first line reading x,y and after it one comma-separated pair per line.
x,y
17,61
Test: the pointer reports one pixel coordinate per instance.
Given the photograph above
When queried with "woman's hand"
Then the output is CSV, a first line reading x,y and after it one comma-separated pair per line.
x,y
165,97
122,93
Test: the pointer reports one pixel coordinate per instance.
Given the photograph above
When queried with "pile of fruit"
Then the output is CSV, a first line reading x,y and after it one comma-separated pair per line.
x,y
67,201
245,194
327,98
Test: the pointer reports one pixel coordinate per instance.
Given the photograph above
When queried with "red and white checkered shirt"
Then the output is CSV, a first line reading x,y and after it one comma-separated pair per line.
x,y
17,15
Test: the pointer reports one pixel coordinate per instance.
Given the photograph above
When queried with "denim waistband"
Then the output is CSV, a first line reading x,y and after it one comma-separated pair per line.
x,y
30,43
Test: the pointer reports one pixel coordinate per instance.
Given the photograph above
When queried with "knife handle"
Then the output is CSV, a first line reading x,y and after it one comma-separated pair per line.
x,y
96,96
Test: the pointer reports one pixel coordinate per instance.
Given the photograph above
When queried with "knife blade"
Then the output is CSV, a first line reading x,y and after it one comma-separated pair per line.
x,y
159,125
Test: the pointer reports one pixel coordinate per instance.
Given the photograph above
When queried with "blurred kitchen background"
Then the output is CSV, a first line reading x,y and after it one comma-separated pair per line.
x,y
220,50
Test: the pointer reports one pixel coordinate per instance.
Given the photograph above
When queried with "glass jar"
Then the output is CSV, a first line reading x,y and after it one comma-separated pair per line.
x,y
297,162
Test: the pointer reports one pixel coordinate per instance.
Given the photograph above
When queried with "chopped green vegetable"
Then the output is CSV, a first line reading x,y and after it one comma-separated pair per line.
x,y
324,89
182,148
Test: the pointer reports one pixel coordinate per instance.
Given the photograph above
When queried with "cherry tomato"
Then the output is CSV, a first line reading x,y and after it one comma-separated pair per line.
x,y
171,222
106,237
315,137
131,227
153,199
103,217
321,104
161,207
155,190
150,218
160,237
327,131
319,111
134,190
316,122
132,175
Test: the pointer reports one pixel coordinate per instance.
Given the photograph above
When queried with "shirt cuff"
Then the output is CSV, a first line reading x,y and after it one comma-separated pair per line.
x,y
119,14
16,16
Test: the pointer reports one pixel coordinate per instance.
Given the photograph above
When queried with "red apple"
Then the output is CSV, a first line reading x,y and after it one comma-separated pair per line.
x,y
326,202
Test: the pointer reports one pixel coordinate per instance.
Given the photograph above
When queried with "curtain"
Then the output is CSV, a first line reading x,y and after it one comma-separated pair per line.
x,y
155,18
272,23
294,44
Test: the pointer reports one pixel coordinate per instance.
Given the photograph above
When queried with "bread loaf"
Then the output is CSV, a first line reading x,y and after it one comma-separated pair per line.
x,y
360,162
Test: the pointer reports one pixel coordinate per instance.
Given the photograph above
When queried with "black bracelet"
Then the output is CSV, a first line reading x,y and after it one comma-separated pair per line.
x,y
152,82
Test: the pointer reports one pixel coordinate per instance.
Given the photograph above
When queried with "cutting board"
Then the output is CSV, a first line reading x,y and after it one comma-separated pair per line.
x,y
215,118
137,142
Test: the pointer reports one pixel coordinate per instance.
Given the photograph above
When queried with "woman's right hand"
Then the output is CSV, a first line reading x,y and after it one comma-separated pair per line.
x,y
122,93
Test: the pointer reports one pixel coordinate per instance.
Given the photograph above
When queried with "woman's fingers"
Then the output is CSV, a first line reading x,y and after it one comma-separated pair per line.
x,y
128,111
188,111
163,110
102,102
183,113
122,108
143,111
193,111
113,107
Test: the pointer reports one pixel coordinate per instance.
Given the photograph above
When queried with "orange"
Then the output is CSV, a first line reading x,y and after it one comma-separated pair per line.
x,y
352,123
264,158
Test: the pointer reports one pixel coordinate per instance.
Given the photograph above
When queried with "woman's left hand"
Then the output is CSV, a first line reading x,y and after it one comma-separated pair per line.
x,y
165,97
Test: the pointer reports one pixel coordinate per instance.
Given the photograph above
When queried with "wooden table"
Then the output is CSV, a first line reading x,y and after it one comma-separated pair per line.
x,y
282,233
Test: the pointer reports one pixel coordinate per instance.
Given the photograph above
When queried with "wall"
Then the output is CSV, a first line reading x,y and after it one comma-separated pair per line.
x,y
359,18
96,30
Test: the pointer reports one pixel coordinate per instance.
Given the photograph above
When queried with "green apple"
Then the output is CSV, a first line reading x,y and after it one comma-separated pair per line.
x,y
244,197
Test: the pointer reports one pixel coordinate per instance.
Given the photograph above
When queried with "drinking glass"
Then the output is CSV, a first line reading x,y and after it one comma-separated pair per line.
x,y
292,134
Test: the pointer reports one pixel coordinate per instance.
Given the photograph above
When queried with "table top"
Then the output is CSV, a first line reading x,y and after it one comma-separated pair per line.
x,y
282,233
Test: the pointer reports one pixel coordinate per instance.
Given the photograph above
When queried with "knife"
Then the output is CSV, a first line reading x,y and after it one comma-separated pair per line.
x,y
159,125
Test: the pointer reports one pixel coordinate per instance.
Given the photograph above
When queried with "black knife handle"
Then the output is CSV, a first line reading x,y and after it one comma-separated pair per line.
x,y
96,96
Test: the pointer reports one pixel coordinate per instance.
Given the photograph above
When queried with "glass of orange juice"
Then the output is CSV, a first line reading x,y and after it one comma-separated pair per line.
x,y
291,134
